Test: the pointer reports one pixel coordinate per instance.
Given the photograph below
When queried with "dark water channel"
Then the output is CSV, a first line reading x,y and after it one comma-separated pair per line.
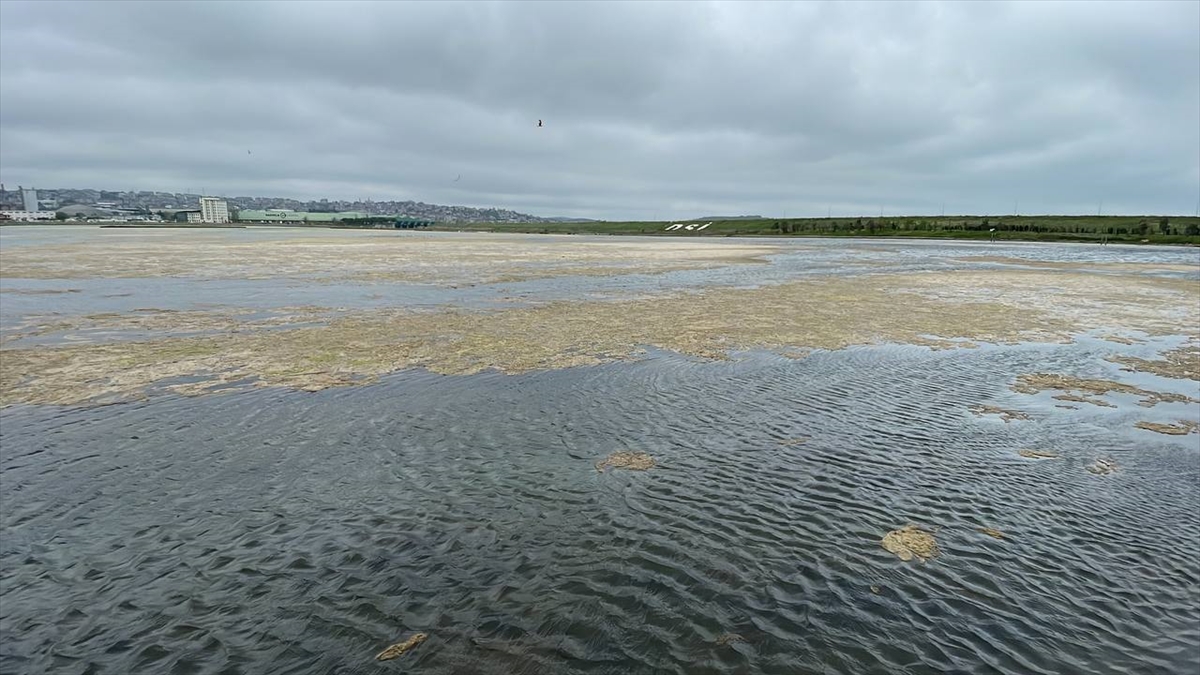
x,y
282,532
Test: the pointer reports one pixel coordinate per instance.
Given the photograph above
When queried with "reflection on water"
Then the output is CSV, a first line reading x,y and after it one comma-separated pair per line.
x,y
284,532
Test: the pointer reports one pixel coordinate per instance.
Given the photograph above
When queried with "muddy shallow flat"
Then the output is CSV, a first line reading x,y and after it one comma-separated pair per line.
x,y
1185,267
324,256
828,312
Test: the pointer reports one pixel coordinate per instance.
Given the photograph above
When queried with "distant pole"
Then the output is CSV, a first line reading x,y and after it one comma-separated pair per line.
x,y
828,212
1100,207
943,209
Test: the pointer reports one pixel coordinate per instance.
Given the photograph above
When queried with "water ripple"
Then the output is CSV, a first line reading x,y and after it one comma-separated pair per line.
x,y
274,531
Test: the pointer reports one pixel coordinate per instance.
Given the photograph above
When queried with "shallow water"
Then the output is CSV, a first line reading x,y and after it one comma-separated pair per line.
x,y
797,258
284,532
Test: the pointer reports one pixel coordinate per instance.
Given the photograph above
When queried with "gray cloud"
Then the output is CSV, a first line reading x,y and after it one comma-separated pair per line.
x,y
652,109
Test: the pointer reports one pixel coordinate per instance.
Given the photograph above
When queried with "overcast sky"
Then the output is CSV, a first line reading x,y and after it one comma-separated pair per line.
x,y
665,111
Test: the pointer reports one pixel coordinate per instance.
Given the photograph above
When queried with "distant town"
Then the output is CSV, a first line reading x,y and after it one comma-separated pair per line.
x,y
85,205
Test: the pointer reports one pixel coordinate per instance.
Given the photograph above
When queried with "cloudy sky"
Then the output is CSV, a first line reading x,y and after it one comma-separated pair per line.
x,y
672,110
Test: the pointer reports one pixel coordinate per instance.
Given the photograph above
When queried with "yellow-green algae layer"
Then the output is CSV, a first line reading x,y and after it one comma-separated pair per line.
x,y
1004,306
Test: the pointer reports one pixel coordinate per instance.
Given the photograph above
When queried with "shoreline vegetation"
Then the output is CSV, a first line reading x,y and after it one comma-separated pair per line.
x,y
1177,230
1155,230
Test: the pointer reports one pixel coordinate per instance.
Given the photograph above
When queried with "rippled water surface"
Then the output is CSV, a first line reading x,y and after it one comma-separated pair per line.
x,y
274,531
283,532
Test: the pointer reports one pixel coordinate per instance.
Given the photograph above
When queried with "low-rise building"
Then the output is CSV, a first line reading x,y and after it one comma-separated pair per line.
x,y
180,215
289,216
27,215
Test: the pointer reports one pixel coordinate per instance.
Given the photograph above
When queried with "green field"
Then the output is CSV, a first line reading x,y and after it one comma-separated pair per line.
x,y
1126,229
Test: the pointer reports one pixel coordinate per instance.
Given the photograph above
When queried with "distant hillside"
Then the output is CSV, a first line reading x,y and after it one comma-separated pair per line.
x,y
167,200
715,218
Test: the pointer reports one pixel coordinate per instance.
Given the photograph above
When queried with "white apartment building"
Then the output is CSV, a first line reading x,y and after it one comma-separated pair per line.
x,y
213,210
29,199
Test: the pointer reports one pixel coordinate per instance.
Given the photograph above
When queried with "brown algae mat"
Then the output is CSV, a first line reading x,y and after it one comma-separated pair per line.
x,y
1181,364
1037,454
1184,427
799,440
1149,268
151,321
942,345
992,532
823,313
361,255
634,461
1037,382
729,639
401,647
1083,399
1006,415
1120,339
911,541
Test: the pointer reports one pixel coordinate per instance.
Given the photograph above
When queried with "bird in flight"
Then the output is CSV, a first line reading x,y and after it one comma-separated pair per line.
x,y
459,178
539,123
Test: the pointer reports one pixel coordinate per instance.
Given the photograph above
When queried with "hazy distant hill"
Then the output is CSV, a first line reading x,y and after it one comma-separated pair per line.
x,y
166,200
729,218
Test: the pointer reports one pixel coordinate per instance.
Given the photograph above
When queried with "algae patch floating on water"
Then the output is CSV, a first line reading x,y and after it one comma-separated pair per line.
x,y
400,647
1006,415
1037,382
1083,399
635,461
729,639
1184,427
1180,364
992,532
799,440
1120,339
911,541
1037,454
324,347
